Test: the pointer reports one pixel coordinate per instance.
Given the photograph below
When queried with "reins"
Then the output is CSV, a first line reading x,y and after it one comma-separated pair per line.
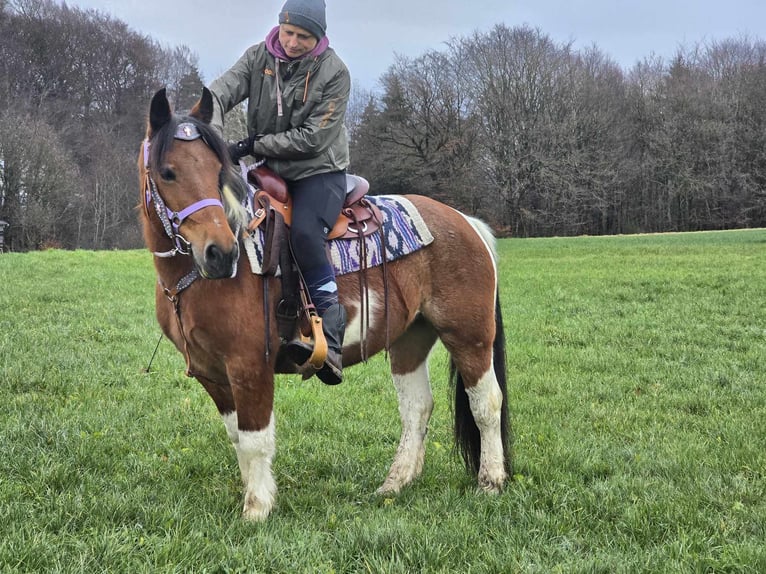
x,y
364,289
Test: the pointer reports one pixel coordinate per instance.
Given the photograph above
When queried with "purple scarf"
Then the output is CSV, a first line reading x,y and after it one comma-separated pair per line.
x,y
276,49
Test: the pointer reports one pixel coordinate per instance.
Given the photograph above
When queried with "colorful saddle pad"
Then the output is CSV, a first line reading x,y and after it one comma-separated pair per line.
x,y
404,229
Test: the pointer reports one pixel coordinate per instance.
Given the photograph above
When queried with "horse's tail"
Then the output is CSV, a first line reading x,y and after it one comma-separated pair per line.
x,y
467,436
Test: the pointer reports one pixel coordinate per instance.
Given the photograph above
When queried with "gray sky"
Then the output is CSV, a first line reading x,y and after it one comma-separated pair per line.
x,y
367,34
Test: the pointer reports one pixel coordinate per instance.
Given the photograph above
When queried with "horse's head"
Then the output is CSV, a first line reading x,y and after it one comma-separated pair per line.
x,y
190,193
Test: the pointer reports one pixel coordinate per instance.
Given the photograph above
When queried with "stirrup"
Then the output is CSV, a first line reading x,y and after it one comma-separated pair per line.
x,y
311,350
319,354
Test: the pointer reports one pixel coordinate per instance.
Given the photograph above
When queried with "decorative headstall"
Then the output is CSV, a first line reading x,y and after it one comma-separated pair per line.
x,y
172,220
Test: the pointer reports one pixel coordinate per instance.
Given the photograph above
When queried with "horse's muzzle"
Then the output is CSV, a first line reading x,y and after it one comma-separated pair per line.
x,y
218,263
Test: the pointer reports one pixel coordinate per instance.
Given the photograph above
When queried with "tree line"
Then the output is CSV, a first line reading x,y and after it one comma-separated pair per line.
x,y
74,90
542,139
535,137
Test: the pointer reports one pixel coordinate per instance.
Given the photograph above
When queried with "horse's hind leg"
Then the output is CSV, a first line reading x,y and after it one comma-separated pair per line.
x,y
486,401
479,411
484,452
409,368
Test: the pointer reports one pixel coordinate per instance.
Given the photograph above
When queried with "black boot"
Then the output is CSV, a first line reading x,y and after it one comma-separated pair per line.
x,y
333,327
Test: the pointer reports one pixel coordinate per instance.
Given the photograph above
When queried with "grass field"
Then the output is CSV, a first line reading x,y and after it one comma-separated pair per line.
x,y
636,369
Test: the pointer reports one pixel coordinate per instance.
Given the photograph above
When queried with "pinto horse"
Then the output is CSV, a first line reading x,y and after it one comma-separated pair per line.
x,y
210,304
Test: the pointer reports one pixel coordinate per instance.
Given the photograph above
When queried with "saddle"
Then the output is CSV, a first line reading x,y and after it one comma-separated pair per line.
x,y
272,212
358,217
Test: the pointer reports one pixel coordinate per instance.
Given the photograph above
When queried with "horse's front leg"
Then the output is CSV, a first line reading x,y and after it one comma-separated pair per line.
x,y
255,445
223,397
224,402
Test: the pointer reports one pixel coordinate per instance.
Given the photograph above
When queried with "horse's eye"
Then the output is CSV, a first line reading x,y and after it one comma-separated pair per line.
x,y
167,174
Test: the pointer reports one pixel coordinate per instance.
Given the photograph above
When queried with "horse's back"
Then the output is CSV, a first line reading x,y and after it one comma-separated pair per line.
x,y
463,246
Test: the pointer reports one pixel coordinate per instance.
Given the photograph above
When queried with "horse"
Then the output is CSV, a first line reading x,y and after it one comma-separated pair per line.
x,y
210,305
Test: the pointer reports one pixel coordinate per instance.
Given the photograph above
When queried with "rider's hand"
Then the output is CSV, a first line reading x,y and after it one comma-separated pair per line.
x,y
244,147
240,149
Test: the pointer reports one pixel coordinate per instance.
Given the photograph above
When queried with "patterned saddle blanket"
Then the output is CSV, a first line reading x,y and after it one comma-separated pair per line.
x,y
404,229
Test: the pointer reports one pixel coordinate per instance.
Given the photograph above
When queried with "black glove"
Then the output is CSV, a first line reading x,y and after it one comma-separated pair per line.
x,y
240,149
244,147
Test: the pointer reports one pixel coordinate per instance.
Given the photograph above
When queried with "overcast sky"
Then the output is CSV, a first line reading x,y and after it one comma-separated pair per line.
x,y
368,33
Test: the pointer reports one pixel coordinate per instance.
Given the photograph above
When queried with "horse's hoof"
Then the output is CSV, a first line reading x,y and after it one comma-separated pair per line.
x,y
491,486
491,489
256,510
387,490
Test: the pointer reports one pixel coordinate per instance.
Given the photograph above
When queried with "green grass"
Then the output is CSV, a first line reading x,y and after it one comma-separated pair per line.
x,y
636,369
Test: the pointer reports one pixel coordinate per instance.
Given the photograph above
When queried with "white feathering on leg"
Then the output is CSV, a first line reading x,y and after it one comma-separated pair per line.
x,y
255,452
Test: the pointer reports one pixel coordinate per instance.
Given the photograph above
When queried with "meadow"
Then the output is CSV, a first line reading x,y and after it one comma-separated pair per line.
x,y
636,386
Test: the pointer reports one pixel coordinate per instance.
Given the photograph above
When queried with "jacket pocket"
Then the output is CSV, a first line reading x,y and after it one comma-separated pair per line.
x,y
302,110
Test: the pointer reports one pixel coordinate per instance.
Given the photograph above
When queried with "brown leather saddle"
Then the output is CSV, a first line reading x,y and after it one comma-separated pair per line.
x,y
272,207
358,218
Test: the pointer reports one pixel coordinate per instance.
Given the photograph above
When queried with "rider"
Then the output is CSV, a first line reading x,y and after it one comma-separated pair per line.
x,y
298,89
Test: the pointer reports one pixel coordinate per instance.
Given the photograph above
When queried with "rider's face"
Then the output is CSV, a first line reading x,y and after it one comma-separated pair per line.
x,y
296,41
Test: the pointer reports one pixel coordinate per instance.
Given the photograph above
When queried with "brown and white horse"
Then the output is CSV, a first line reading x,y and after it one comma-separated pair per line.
x,y
212,307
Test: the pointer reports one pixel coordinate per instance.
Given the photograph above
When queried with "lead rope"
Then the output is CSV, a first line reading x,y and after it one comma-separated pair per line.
x,y
173,297
148,368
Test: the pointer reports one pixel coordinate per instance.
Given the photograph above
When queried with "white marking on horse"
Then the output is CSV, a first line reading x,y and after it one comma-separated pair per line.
x,y
230,422
354,327
486,401
415,407
255,452
487,237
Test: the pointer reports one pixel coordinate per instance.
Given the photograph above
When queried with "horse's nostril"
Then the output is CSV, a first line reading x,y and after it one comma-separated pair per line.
x,y
213,254
218,262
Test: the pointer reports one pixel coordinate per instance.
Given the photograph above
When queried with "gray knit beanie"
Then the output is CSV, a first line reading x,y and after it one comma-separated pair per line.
x,y
307,14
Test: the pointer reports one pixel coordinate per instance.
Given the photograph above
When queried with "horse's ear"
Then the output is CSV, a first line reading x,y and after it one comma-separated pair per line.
x,y
203,109
159,112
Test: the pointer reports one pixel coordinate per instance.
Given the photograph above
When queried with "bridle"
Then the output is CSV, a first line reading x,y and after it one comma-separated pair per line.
x,y
172,220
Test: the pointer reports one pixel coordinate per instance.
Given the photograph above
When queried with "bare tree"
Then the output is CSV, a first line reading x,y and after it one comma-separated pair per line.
x,y
87,77
39,184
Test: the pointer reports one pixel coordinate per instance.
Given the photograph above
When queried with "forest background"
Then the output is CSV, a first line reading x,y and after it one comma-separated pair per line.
x,y
533,136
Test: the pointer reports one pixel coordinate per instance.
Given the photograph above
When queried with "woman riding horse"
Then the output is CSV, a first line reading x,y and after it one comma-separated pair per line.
x,y
297,90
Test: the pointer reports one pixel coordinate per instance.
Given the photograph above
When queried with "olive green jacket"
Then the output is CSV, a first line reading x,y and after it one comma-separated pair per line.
x,y
310,136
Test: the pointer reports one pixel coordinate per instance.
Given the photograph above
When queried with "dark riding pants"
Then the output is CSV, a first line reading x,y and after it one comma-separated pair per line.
x,y
317,201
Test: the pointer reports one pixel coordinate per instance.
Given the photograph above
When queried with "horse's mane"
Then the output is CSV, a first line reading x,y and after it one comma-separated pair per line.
x,y
233,187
